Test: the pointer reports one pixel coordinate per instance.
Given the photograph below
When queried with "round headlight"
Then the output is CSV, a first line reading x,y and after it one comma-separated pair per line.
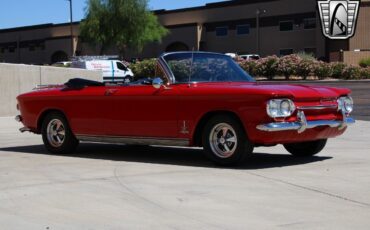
x,y
340,103
285,108
280,108
345,104
348,104
273,108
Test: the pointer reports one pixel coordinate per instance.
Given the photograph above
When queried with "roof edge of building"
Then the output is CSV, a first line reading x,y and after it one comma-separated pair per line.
x,y
212,6
39,26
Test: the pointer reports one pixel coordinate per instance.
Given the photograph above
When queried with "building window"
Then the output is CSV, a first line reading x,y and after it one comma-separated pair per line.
x,y
310,51
309,23
242,29
284,52
11,49
221,31
286,26
2,50
31,48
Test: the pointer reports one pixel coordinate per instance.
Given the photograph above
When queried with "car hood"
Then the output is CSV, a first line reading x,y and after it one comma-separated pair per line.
x,y
298,92
304,92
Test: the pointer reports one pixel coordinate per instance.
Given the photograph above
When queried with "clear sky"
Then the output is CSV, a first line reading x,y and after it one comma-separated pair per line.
x,y
16,13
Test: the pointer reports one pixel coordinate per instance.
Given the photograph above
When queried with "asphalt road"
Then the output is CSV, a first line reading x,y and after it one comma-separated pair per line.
x,y
360,94
122,187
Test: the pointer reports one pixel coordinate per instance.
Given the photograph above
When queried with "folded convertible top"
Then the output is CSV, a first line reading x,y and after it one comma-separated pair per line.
x,y
81,83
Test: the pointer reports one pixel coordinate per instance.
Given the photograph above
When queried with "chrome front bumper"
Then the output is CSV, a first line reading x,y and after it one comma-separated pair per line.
x,y
19,118
302,124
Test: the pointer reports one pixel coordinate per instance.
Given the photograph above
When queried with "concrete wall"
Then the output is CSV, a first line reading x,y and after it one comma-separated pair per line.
x,y
353,57
16,79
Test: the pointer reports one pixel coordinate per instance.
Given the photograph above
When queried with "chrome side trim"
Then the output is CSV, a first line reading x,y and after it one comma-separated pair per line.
x,y
302,124
317,107
134,140
40,87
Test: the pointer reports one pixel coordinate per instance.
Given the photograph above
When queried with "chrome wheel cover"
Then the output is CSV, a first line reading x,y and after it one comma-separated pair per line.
x,y
223,140
55,133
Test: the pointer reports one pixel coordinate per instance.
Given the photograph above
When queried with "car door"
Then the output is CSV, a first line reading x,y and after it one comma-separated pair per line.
x,y
141,111
85,109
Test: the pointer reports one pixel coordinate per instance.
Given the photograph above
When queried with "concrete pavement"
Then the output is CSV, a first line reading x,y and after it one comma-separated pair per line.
x,y
123,187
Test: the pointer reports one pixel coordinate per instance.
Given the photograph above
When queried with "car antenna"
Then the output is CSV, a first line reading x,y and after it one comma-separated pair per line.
x,y
191,66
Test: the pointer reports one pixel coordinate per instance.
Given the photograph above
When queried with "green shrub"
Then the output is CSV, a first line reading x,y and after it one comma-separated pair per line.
x,y
322,70
364,63
305,68
365,73
337,69
271,66
267,67
145,68
352,72
287,65
182,69
249,67
306,56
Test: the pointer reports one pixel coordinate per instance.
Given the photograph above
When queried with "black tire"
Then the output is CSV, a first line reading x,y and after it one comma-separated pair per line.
x,y
68,143
128,79
306,149
214,145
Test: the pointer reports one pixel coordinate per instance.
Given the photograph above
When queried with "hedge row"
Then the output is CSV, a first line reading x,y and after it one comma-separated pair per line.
x,y
303,66
365,63
145,68
297,65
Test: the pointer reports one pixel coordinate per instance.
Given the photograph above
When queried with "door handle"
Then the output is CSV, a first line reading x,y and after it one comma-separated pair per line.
x,y
110,92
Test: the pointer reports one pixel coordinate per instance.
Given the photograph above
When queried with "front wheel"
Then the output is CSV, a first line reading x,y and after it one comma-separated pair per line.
x,y
225,141
127,79
306,149
57,135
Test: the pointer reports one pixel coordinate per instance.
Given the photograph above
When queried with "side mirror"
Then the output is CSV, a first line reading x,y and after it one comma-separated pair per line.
x,y
157,83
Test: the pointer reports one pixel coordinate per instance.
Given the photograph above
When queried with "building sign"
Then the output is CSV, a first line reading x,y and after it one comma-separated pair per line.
x,y
338,18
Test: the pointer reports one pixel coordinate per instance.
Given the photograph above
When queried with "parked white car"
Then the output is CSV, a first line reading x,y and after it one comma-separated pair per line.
x,y
113,70
250,56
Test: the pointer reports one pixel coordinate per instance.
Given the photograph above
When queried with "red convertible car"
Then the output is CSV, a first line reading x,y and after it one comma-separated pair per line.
x,y
196,99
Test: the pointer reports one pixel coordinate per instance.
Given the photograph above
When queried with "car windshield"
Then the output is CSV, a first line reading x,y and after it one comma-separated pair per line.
x,y
205,67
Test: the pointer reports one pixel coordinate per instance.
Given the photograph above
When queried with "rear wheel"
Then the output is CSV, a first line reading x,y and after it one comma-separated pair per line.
x,y
57,135
306,149
225,142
